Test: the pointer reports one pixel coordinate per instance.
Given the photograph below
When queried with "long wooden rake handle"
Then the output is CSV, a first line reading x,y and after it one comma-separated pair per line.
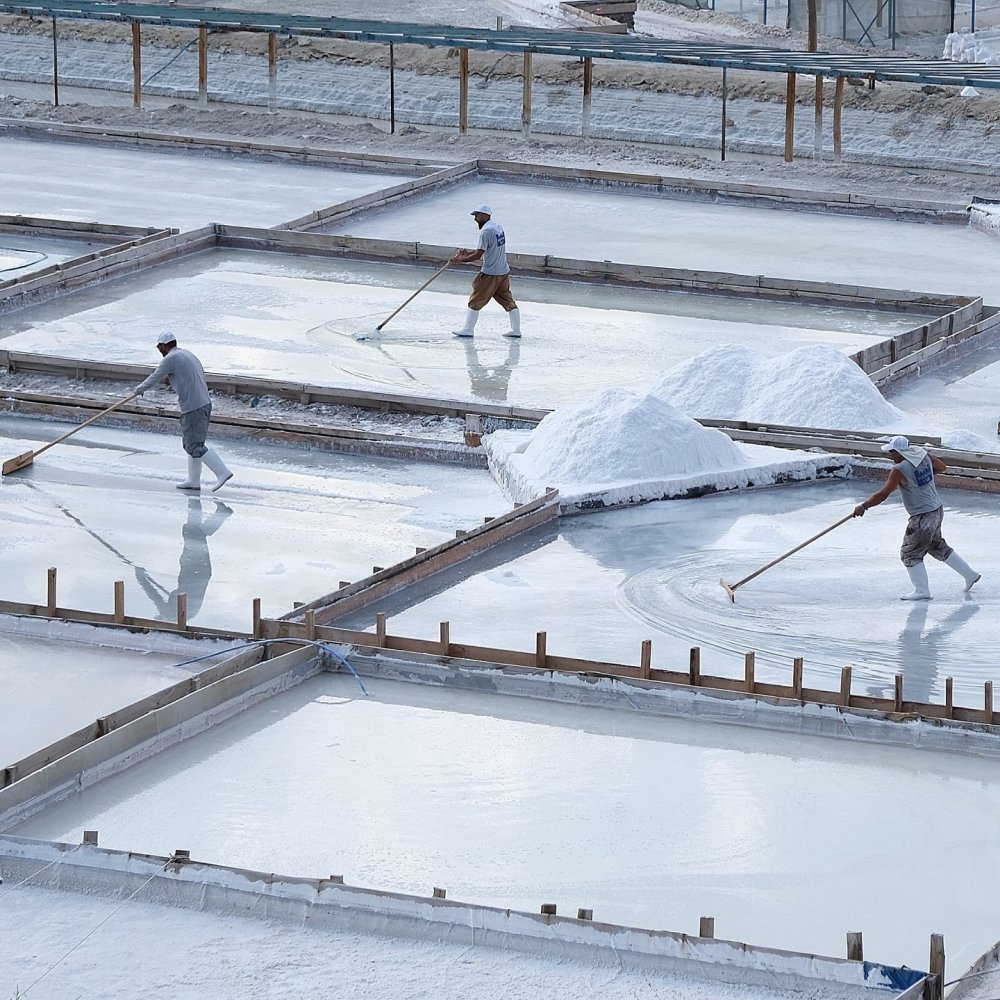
x,y
21,461
730,588
436,274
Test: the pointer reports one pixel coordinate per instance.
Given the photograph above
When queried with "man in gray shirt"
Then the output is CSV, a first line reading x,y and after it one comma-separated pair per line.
x,y
493,280
913,473
188,379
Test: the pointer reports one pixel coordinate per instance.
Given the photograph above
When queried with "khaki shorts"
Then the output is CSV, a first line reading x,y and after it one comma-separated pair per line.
x,y
491,286
923,538
194,430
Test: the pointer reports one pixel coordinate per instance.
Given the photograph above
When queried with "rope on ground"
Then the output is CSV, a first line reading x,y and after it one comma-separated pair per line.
x,y
169,62
39,257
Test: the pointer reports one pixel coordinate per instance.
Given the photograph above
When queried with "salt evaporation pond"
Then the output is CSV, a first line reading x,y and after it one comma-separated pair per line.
x,y
296,318
289,527
23,253
515,802
668,232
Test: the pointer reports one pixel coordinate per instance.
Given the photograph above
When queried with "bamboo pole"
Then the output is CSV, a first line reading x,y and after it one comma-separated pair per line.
x,y
136,65
272,72
588,86
203,66
838,103
526,96
463,91
789,117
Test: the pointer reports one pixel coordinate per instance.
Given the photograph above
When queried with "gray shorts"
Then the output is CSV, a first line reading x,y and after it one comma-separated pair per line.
x,y
923,538
194,430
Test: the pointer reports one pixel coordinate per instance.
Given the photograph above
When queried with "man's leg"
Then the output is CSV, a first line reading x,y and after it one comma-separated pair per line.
x,y
481,292
942,551
506,299
921,532
194,430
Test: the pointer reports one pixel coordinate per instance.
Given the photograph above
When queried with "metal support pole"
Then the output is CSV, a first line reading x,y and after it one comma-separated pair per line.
x,y
463,91
588,86
526,95
203,66
789,117
272,72
55,65
838,102
818,131
392,88
725,94
136,66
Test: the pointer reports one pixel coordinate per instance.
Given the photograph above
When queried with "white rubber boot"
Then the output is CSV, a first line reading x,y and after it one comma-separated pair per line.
x,y
193,481
471,318
921,588
515,323
960,566
222,473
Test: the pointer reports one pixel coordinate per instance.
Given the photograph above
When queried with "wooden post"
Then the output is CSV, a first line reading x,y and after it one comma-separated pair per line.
x,y
272,72
548,909
588,86
818,131
444,637
119,601
797,677
811,26
392,89
725,95
90,837
256,618
936,967
541,643
584,914
789,117
845,687
706,927
380,629
50,592
855,947
988,703
749,664
949,698
182,611
310,619
897,699
55,65
203,66
645,658
439,893
136,65
694,666
526,96
463,91
838,103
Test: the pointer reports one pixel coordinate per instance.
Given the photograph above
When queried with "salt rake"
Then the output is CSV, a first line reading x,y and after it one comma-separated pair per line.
x,y
731,588
435,275
24,460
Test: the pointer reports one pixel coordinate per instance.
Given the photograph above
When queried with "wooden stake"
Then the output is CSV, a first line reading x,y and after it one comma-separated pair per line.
x,y
463,91
789,117
119,601
855,947
936,968
136,65
588,82
797,677
444,637
380,629
310,619
51,593
438,893
818,129
838,103
203,66
272,72
255,615
582,914
694,666
392,89
988,703
725,95
541,651
90,837
845,687
549,909
182,611
949,698
706,927
645,658
526,96
898,693
55,65
749,664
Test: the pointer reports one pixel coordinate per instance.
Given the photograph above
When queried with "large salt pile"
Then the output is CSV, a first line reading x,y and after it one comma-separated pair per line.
x,y
813,386
619,448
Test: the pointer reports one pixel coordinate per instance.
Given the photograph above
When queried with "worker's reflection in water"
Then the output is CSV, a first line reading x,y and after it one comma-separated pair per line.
x,y
920,649
490,382
195,563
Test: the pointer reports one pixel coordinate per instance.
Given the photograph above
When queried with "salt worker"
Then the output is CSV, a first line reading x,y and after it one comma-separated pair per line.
x,y
188,379
912,473
493,280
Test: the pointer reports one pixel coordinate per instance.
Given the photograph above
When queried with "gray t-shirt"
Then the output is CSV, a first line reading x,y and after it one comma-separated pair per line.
x,y
186,376
920,495
492,242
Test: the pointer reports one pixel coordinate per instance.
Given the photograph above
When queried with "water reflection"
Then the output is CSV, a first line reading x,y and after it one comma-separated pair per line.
x,y
491,381
921,649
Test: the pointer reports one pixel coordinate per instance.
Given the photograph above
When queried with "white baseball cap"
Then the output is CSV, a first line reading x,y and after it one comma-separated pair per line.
x,y
898,443
166,338
482,209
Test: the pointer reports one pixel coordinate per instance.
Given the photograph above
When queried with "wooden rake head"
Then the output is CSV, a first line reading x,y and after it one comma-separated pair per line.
x,y
18,462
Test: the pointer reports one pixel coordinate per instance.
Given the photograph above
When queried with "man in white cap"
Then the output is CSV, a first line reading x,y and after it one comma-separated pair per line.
x,y
188,379
493,280
913,473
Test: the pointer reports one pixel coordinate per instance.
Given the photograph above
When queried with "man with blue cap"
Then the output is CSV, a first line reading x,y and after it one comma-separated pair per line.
x,y
493,280
913,474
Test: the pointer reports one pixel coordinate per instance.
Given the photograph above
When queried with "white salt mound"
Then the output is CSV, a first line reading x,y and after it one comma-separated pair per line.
x,y
617,437
814,386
